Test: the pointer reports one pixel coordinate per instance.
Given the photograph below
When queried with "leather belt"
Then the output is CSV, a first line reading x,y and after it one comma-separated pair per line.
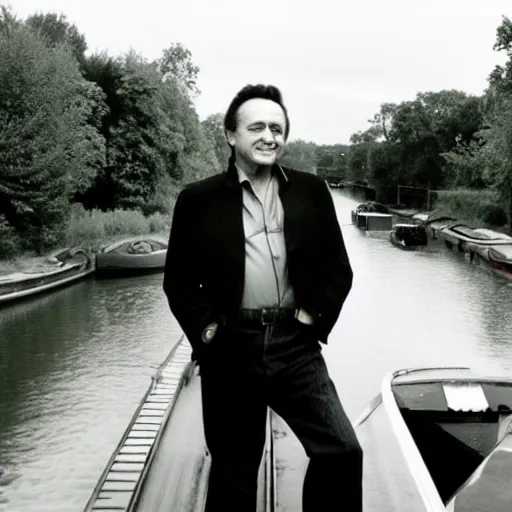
x,y
265,316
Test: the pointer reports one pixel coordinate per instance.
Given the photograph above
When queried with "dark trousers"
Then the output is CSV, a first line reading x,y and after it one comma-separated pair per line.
x,y
244,370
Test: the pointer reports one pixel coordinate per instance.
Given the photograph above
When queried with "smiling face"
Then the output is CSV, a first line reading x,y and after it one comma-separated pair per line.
x,y
259,138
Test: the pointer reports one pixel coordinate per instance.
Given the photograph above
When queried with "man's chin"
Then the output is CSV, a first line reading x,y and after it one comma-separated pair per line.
x,y
265,160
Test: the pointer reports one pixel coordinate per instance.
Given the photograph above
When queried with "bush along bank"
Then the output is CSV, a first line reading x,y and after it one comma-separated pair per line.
x,y
477,208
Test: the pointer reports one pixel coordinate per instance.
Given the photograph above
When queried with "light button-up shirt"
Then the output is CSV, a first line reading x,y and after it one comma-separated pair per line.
x,y
266,281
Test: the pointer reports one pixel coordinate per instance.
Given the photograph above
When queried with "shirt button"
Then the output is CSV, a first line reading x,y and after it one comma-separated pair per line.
x,y
275,256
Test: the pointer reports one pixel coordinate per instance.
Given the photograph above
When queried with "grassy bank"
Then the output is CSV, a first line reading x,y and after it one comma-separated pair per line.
x,y
90,230
477,208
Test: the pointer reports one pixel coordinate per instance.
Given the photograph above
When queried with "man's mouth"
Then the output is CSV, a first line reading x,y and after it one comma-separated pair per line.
x,y
266,150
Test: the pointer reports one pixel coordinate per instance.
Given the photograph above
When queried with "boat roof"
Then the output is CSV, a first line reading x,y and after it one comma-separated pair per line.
x,y
441,223
404,225
374,214
126,241
493,234
421,216
468,234
443,373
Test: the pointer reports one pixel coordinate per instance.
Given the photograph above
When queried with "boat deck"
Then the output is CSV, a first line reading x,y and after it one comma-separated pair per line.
x,y
178,476
162,462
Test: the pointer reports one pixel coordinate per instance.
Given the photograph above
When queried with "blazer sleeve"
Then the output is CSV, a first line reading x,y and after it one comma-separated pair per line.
x,y
181,283
337,271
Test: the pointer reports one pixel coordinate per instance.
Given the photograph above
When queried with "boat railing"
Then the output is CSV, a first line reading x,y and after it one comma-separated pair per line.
x,y
177,355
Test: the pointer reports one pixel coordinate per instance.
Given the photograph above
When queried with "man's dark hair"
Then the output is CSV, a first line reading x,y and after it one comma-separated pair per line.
x,y
250,92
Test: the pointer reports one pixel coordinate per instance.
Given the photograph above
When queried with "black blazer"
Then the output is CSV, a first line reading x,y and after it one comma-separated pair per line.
x,y
205,266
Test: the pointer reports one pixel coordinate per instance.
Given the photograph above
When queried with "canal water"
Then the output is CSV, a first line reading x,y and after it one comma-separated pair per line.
x,y
74,364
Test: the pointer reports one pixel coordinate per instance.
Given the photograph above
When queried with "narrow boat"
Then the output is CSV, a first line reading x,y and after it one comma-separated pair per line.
x,y
459,235
408,236
64,267
438,439
132,256
161,463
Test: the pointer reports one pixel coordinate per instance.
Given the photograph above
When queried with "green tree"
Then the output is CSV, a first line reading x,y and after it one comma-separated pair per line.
x,y
48,150
213,127
176,65
56,30
332,162
300,155
498,135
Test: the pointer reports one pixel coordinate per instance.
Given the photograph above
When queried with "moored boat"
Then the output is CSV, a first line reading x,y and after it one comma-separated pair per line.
x,y
368,207
63,267
438,439
459,235
408,236
136,255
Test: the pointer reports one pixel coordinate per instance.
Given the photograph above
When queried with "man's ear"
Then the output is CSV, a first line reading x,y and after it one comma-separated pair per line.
x,y
230,137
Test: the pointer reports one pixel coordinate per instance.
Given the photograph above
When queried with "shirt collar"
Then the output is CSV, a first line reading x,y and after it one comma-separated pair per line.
x,y
242,176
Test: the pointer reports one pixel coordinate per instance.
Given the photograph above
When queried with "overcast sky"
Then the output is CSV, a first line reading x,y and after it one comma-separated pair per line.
x,y
335,61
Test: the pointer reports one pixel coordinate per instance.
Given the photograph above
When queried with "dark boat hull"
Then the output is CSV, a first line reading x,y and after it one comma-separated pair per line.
x,y
409,236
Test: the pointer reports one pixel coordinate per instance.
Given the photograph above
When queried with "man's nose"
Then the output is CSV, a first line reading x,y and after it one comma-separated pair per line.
x,y
268,136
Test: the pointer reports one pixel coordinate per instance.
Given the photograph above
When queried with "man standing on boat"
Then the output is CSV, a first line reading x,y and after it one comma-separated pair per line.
x,y
256,275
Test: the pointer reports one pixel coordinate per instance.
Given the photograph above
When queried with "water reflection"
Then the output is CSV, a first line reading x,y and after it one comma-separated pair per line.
x,y
73,370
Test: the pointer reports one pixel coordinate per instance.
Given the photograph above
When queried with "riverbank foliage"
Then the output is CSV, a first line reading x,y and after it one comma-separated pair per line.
x,y
95,145
90,227
116,135
479,208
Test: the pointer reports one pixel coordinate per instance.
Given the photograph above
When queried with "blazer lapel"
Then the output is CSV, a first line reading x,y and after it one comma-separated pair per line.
x,y
292,217
231,219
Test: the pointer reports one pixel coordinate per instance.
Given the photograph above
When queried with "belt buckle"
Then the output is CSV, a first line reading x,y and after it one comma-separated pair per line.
x,y
265,316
